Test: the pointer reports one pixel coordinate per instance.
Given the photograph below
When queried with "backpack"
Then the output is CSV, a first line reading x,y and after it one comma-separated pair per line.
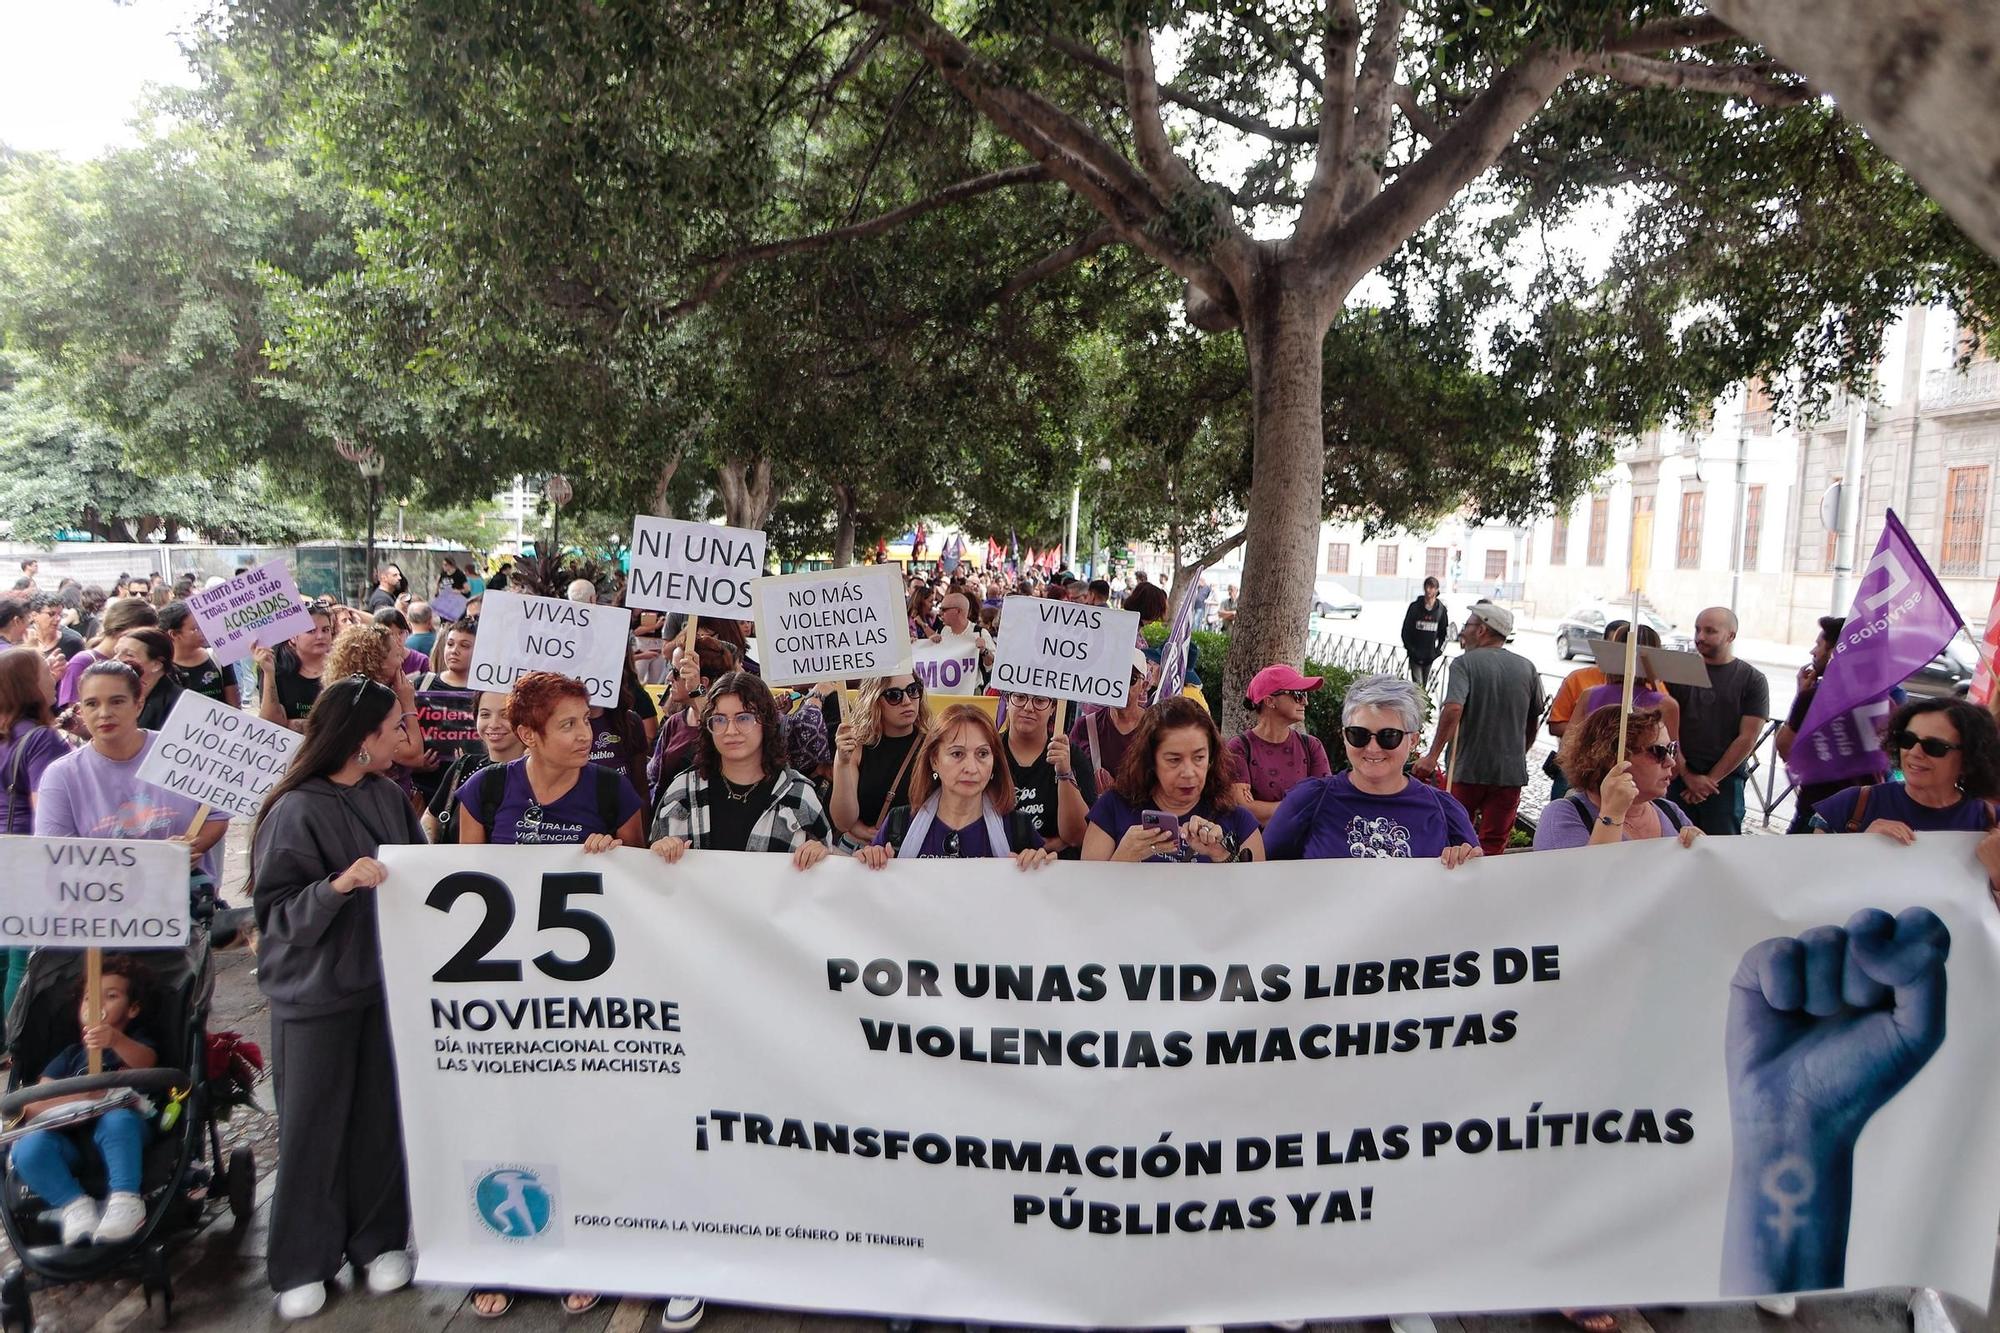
x,y
492,789
1675,819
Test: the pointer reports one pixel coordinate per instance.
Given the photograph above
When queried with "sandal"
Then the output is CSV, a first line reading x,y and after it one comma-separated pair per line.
x,y
589,1299
506,1299
1592,1321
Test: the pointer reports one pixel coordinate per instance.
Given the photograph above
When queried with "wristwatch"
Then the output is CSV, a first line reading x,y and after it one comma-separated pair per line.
x,y
1608,821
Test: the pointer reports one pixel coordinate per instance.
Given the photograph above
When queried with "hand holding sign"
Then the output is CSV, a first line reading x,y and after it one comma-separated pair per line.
x,y
1065,650
701,568
576,639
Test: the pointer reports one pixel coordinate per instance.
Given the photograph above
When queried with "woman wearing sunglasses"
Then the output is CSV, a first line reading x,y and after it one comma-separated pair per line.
x,y
740,796
874,754
1046,785
1274,756
1949,752
961,801
1613,800
1374,810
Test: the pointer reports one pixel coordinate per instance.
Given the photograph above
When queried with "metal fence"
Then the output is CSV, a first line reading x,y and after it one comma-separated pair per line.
x,y
1370,657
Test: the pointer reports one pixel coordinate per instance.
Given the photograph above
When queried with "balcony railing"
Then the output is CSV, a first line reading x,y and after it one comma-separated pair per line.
x,y
1977,383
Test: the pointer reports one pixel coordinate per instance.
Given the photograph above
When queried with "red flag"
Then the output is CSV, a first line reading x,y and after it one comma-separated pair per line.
x,y
1989,645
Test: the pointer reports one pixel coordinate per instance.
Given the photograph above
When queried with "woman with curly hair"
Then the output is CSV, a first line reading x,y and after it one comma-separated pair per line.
x,y
1175,798
370,650
1613,800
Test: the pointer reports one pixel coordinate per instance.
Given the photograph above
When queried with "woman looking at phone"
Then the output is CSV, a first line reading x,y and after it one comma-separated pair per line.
x,y
1174,799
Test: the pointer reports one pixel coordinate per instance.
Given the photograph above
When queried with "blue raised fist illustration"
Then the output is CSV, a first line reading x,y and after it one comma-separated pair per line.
x,y
1823,1030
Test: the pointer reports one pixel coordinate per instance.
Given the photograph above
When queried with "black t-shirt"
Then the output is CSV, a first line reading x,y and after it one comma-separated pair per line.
x,y
1037,795
729,818
880,763
68,642
1711,718
296,694
206,679
443,805
153,714
377,599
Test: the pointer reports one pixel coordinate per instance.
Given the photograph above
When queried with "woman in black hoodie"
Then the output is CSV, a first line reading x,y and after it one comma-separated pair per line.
x,y
342,1193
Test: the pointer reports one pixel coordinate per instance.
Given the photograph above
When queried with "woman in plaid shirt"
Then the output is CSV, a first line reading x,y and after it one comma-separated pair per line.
x,y
739,795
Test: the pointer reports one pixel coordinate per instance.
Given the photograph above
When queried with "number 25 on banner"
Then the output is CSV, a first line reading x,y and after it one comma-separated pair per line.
x,y
472,963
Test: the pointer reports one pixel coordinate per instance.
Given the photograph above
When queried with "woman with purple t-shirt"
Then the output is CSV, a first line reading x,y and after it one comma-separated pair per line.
x,y
29,743
961,800
1612,799
1274,756
1374,810
1175,798
1949,751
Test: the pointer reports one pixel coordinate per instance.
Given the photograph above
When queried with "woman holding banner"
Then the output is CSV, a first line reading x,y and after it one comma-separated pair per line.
x,y
29,743
1175,798
341,1192
288,677
503,746
874,753
961,801
1374,810
95,792
1613,799
740,796
149,651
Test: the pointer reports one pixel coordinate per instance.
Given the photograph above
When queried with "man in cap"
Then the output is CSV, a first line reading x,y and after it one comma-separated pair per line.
x,y
1492,709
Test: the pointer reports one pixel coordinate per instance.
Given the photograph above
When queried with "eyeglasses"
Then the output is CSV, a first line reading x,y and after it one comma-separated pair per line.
x,y
1387,737
1930,745
1299,695
896,694
1665,754
721,722
1029,703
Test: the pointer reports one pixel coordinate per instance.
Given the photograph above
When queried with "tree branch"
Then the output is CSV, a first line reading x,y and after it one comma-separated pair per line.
x,y
1372,95
1746,82
882,141
1671,34
1263,129
1261,27
1223,547
1055,262
1336,123
1149,134
723,267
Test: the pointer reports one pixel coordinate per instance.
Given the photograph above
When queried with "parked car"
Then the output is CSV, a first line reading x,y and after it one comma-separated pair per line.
x,y
1331,598
1587,622
1949,673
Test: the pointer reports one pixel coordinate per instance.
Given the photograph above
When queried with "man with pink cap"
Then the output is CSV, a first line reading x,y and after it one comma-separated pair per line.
x,y
1274,756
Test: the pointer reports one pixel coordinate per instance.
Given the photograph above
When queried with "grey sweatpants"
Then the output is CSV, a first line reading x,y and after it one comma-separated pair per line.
x,y
342,1192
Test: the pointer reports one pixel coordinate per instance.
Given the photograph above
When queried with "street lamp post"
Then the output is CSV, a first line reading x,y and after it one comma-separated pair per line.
x,y
371,467
560,493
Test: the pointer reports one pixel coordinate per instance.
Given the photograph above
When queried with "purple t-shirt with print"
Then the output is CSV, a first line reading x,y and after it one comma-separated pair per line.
x,y
1325,818
1272,770
85,795
1114,814
569,818
973,843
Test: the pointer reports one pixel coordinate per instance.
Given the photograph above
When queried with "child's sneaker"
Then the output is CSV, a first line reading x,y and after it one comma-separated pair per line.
x,y
79,1220
124,1214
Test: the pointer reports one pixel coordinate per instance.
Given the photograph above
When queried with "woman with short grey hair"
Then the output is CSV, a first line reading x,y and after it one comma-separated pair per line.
x,y
1374,809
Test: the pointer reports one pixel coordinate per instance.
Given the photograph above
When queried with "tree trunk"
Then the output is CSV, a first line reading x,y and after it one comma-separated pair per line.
x,y
1284,330
662,506
747,493
843,530
1921,76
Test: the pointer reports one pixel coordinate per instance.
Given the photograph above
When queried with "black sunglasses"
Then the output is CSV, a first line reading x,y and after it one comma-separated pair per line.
x,y
1387,737
1666,754
1300,695
1930,745
896,694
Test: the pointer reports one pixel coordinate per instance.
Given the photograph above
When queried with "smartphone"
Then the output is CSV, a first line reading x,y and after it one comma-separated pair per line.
x,y
1161,820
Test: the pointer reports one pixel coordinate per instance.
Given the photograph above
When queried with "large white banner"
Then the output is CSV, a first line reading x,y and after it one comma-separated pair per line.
x,y
1137,1095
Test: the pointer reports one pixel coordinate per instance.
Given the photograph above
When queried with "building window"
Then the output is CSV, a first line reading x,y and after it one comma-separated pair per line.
x,y
1496,566
1753,525
1434,562
1336,557
1688,554
1600,525
1386,561
1964,521
1559,540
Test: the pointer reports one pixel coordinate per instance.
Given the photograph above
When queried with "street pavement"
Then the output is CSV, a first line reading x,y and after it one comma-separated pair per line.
x,y
219,1278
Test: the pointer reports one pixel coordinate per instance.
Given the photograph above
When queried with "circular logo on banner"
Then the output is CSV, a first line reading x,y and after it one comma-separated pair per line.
x,y
513,1203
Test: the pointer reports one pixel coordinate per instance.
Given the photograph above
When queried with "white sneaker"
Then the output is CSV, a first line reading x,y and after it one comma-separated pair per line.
x,y
1927,1313
1413,1323
302,1302
1782,1306
79,1220
390,1271
124,1214
682,1312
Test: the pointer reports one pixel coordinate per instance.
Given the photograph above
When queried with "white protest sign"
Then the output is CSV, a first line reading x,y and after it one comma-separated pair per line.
x,y
832,624
519,633
947,668
1065,650
261,605
95,893
701,568
218,756
1245,1100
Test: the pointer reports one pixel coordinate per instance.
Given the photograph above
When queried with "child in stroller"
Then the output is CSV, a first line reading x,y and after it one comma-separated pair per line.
x,y
46,1160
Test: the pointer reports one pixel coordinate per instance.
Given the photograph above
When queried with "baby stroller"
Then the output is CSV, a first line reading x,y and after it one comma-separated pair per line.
x,y
183,1164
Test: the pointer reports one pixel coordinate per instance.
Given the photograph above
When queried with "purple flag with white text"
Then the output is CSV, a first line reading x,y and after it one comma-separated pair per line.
x,y
1174,652
1899,621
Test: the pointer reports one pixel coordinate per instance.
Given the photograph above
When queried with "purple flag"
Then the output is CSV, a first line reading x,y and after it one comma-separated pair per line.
x,y
1899,621
1174,652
